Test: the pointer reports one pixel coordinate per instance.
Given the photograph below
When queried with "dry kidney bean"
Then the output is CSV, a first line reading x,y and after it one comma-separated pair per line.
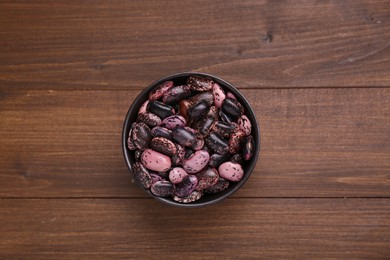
x,y
231,171
173,122
155,161
217,159
163,145
196,162
249,148
141,136
176,94
159,131
202,97
186,186
137,155
226,117
245,124
188,153
162,188
149,118
213,112
198,144
160,90
222,184
195,195
177,174
190,139
231,95
224,129
198,111
207,178
199,83
143,107
184,105
160,109
155,177
183,137
141,174
237,158
218,95
217,143
130,143
204,125
236,141
232,108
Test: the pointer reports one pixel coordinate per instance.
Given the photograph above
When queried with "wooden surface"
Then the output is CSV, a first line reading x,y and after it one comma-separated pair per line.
x,y
316,72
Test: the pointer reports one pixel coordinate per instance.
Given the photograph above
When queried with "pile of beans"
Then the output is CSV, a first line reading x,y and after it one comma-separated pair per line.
x,y
189,140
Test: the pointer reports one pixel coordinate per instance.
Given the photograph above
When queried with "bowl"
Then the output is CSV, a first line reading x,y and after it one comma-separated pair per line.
x,y
180,79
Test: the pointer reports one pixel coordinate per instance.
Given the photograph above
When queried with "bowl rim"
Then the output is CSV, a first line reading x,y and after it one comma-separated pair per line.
x,y
238,94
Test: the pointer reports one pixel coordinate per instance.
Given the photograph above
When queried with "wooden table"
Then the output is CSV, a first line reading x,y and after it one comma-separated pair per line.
x,y
316,72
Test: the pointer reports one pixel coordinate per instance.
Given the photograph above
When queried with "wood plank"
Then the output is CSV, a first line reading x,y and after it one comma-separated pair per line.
x,y
238,228
258,44
315,143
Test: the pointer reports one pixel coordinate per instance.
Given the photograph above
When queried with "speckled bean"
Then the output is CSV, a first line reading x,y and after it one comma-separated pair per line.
x,y
130,143
141,136
150,119
217,159
204,125
194,196
236,141
159,90
173,122
207,178
231,95
245,124
141,174
175,94
222,184
159,131
177,174
143,107
203,96
232,108
218,94
225,129
163,145
198,111
200,83
249,148
161,109
156,177
217,143
231,171
155,161
162,189
188,184
198,144
183,137
196,162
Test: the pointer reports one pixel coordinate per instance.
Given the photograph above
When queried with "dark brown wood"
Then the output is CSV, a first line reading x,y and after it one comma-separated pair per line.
x,y
315,143
238,228
256,44
316,72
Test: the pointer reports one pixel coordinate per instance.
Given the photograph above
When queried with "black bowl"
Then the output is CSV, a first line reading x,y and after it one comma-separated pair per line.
x,y
180,79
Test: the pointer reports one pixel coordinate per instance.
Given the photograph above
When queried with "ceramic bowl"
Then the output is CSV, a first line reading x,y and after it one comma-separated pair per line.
x,y
180,79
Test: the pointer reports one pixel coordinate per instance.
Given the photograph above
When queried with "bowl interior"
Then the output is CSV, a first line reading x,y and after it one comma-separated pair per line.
x,y
180,79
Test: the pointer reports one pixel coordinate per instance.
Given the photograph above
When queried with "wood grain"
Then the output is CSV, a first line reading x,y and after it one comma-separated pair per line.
x,y
316,72
237,228
253,44
315,143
